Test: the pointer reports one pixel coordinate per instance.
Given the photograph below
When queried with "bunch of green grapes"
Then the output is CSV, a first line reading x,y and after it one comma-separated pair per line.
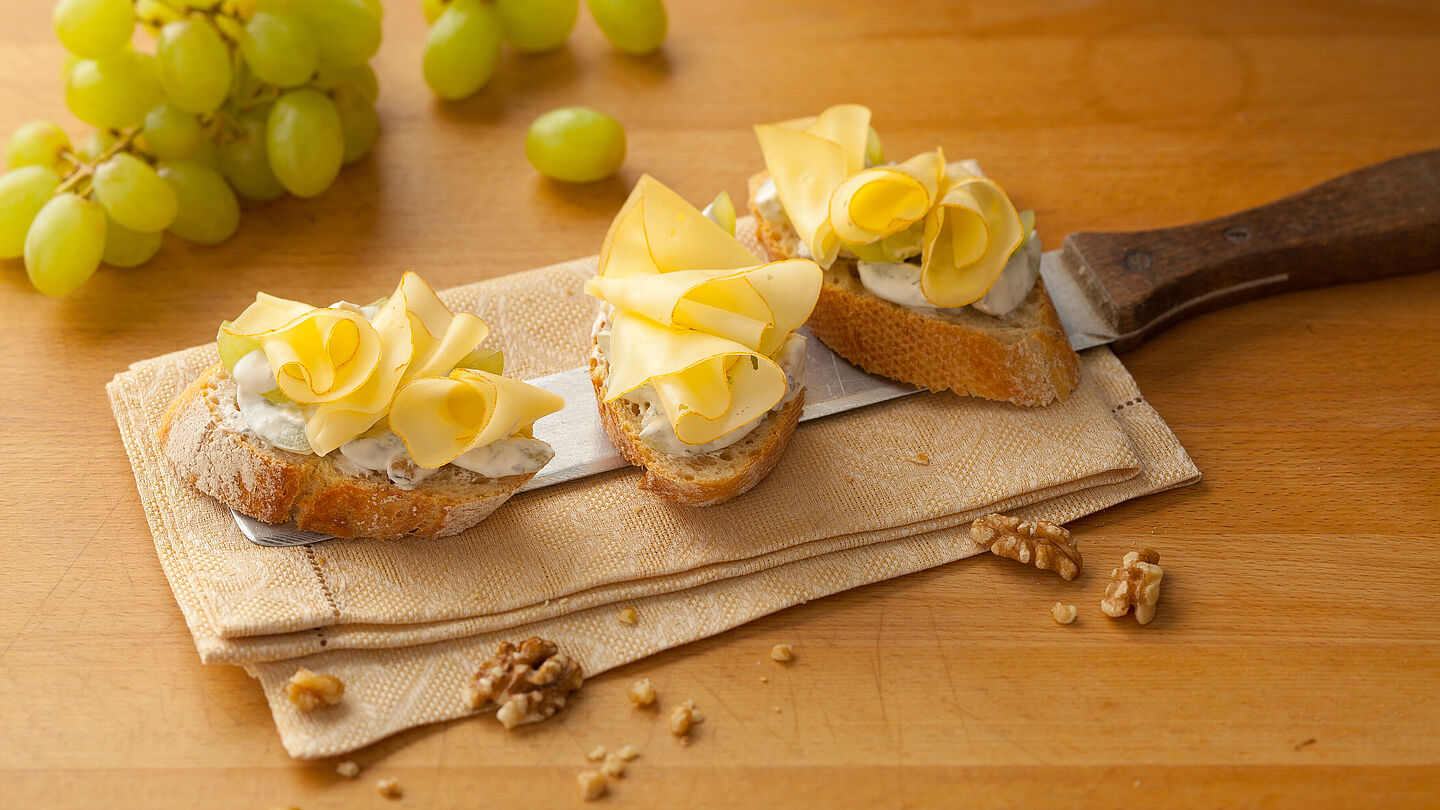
x,y
255,97
465,35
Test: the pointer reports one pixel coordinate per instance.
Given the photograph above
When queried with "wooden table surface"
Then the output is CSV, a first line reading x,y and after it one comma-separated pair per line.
x,y
1295,660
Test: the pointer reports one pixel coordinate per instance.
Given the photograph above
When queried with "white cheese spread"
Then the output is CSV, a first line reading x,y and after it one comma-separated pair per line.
x,y
899,282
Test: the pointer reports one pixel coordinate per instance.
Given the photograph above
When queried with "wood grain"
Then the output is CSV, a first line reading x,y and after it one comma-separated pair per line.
x,y
1295,659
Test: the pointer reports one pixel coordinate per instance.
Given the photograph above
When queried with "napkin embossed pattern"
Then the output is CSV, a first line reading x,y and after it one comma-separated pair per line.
x,y
857,498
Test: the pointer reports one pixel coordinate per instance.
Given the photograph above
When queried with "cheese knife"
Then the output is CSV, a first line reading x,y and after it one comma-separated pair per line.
x,y
1113,289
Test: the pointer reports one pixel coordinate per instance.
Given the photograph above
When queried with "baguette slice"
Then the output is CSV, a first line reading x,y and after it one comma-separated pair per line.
x,y
274,485
1022,357
694,480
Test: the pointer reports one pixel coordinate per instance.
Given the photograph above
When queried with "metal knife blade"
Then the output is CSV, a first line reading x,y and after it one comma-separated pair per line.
x,y
1083,323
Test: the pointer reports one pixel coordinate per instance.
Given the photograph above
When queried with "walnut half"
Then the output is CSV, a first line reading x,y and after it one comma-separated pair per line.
x,y
1049,546
309,690
1136,583
529,683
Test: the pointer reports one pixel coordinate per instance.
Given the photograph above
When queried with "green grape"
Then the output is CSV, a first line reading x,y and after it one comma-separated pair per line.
x,y
482,359
346,31
64,244
114,92
376,10
874,151
97,143
279,49
358,121
245,164
155,14
532,26
462,49
127,248
93,28
133,194
38,143
636,27
194,65
361,78
171,133
576,145
23,192
305,142
433,9
207,151
207,212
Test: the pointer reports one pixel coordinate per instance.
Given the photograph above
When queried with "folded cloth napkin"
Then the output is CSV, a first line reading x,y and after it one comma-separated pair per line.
x,y
857,498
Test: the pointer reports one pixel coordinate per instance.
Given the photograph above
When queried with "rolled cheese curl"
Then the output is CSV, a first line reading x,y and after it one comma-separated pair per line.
x,y
969,236
808,159
440,418
419,336
316,355
707,386
885,200
657,231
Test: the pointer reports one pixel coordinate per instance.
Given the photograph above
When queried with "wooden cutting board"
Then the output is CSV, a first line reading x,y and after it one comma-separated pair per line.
x,y
1295,660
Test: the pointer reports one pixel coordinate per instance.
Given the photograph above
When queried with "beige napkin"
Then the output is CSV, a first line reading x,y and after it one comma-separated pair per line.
x,y
857,498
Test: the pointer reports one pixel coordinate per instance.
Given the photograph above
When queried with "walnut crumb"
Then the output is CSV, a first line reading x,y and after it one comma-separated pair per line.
x,y
592,785
388,787
528,683
782,653
628,615
1050,547
614,766
764,679
309,691
642,692
1063,613
681,717
596,754
348,769
629,752
1135,584
920,459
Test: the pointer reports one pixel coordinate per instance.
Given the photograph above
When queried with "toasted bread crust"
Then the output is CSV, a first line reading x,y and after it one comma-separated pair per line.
x,y
1023,357
702,480
275,485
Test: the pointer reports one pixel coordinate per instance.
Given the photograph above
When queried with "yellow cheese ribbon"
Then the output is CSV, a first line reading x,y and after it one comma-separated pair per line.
x,y
808,159
969,228
969,236
885,200
344,370
439,418
697,316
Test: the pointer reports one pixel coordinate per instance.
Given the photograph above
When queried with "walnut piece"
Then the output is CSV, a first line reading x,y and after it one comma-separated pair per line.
x,y
614,766
782,653
596,754
592,785
628,615
642,692
628,752
1063,613
1135,584
309,691
348,769
529,683
1050,547
680,719
388,787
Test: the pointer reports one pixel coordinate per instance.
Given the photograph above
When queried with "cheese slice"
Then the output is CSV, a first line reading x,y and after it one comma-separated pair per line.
x,y
439,418
886,200
697,315
808,159
317,355
969,236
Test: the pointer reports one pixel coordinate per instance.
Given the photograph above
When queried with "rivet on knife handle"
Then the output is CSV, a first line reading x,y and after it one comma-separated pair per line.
x,y
1383,220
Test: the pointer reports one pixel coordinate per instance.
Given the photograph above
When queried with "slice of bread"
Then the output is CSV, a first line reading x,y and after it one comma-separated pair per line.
x,y
703,480
274,485
1022,357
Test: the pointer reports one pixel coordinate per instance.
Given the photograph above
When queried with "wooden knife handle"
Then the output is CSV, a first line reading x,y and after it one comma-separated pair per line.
x,y
1383,220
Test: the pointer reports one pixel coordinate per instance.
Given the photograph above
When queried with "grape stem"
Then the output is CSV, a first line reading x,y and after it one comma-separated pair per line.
x,y
83,171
